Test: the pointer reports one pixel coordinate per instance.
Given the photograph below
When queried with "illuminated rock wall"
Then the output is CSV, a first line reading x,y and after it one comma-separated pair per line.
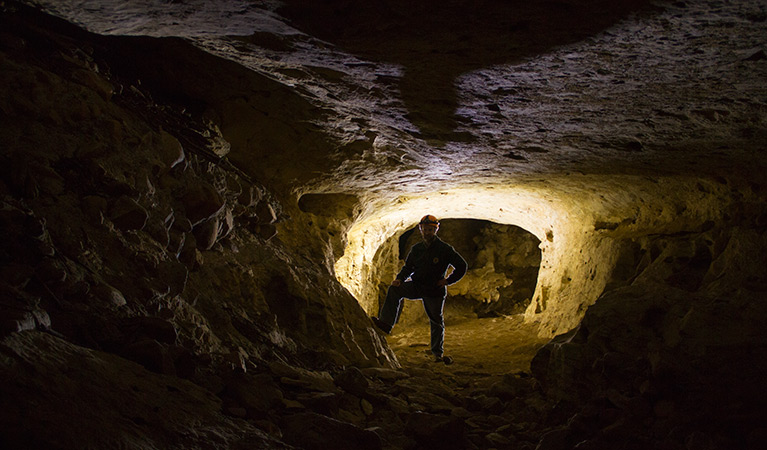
x,y
581,221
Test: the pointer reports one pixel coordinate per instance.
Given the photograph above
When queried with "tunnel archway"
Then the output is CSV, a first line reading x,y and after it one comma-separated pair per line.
x,y
503,263
357,269
584,225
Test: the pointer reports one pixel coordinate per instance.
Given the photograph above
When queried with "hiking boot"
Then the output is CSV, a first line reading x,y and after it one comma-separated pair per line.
x,y
381,325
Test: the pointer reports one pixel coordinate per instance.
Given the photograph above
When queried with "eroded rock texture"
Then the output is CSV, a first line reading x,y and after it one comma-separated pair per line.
x,y
657,349
203,201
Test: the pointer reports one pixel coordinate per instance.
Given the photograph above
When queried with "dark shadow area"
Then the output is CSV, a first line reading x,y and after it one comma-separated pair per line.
x,y
438,40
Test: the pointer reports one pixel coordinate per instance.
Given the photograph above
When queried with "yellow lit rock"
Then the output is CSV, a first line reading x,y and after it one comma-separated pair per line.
x,y
581,221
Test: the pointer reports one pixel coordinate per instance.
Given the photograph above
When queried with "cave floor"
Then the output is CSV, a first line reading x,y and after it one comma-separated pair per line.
x,y
483,350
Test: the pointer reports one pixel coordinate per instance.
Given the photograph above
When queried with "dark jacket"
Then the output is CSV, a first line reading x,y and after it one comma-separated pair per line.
x,y
427,265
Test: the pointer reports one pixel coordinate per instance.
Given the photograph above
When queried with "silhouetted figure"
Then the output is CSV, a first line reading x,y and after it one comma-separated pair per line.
x,y
423,277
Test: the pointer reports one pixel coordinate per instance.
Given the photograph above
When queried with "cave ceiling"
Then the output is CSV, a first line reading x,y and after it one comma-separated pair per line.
x,y
427,95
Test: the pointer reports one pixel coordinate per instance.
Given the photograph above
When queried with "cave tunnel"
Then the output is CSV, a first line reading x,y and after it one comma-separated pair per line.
x,y
483,311
582,233
203,202
503,265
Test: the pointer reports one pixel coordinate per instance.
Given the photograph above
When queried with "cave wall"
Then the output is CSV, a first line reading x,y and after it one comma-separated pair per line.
x,y
135,251
118,237
673,342
582,222
670,338
584,257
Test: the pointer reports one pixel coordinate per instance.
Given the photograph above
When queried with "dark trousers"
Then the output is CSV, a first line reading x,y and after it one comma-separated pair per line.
x,y
433,306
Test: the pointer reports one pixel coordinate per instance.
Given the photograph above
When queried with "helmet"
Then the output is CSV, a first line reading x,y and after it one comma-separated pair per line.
x,y
429,220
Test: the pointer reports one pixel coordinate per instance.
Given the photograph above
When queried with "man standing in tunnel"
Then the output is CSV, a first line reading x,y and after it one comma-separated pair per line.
x,y
423,277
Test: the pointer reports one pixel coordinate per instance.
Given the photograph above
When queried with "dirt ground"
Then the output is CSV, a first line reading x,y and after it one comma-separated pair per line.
x,y
483,349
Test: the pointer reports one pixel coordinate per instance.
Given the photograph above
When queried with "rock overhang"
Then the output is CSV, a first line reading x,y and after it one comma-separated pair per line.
x,y
633,88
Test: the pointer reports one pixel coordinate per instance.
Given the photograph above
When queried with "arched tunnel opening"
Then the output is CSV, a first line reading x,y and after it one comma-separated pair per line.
x,y
483,311
503,263
526,249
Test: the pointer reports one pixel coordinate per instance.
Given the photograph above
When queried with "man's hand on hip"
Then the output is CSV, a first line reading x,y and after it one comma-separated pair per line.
x,y
396,283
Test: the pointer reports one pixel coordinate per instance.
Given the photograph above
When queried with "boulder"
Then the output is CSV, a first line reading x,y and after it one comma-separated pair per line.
x,y
189,255
226,224
384,373
201,202
266,232
85,390
50,270
265,213
206,233
249,196
325,403
295,376
154,328
107,295
176,241
150,354
172,277
94,81
170,151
